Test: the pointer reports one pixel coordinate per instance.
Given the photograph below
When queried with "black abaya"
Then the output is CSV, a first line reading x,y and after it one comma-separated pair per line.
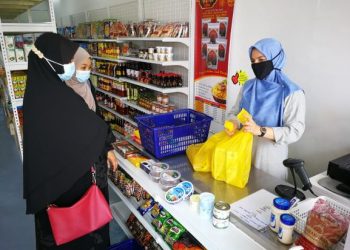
x,y
62,139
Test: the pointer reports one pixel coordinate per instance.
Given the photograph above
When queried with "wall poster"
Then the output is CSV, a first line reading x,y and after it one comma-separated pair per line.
x,y
212,40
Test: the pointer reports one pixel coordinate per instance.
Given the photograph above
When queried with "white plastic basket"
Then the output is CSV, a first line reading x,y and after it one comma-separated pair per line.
x,y
302,210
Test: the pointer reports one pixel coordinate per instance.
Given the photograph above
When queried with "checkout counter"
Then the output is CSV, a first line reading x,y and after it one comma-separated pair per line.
x,y
203,182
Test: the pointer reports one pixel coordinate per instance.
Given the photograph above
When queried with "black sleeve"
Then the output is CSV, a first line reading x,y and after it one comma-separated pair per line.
x,y
109,140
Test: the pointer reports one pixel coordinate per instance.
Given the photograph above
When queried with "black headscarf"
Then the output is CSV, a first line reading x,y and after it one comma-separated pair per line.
x,y
62,136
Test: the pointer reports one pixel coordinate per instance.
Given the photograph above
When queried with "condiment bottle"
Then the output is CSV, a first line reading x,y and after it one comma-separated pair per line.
x,y
280,206
285,231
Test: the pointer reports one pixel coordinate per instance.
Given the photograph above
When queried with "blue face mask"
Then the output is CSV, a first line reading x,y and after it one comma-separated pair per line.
x,y
68,68
82,75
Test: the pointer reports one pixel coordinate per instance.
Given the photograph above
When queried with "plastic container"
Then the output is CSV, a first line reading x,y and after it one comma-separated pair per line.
x,y
188,187
194,202
170,177
171,133
206,205
279,206
175,195
285,231
157,168
302,210
126,245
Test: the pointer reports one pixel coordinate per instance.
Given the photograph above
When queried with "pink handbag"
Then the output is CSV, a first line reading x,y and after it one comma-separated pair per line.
x,y
88,214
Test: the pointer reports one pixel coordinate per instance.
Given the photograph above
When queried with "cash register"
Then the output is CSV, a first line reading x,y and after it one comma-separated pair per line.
x,y
338,176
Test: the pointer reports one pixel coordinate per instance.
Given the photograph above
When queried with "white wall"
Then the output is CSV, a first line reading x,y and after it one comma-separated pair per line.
x,y
72,12
316,37
38,14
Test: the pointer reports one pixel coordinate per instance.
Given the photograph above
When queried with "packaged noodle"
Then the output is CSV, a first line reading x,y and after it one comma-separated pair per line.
x,y
324,228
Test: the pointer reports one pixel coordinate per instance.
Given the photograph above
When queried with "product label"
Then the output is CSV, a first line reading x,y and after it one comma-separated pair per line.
x,y
273,221
280,233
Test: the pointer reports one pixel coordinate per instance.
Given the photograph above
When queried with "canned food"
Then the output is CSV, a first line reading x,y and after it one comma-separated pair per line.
x,y
220,223
221,210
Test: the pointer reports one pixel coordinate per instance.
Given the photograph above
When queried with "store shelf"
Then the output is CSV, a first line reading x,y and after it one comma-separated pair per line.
x,y
167,63
183,90
107,59
185,41
121,214
96,40
106,76
27,27
135,106
111,94
132,204
117,114
201,229
17,66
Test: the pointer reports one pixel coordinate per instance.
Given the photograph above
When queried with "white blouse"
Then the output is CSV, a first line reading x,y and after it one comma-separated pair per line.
x,y
268,155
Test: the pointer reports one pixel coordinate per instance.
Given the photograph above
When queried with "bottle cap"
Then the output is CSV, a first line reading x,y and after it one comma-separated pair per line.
x,y
287,219
281,203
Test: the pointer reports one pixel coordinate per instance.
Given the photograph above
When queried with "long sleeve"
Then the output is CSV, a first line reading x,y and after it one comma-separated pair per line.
x,y
231,115
293,119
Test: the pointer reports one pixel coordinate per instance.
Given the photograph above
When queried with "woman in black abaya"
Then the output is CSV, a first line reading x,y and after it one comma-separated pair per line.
x,y
63,138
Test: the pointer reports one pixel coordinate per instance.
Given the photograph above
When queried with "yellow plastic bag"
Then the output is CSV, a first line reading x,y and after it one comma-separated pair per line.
x,y
200,155
227,158
231,159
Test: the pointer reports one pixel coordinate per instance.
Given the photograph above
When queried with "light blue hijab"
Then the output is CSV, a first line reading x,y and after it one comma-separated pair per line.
x,y
264,99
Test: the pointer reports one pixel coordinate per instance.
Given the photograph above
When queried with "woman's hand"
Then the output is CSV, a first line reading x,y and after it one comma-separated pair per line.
x,y
251,126
112,160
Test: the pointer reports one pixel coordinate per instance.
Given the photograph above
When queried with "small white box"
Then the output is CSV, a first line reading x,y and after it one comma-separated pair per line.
x,y
10,42
11,55
20,55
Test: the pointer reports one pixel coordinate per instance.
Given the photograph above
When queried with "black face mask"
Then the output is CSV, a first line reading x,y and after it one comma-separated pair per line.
x,y
263,69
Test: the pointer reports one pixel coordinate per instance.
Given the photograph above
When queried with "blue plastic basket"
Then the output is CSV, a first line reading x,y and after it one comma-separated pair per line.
x,y
170,134
126,245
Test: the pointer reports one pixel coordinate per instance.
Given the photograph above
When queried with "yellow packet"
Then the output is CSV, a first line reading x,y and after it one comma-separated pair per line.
x,y
229,125
242,116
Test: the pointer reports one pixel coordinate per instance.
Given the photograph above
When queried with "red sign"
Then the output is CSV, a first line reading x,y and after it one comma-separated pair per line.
x,y
212,40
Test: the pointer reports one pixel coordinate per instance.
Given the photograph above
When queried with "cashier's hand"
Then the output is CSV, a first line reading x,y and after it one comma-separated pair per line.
x,y
112,160
251,126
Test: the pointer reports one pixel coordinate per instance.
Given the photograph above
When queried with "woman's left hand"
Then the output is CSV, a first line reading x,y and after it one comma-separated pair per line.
x,y
112,160
251,126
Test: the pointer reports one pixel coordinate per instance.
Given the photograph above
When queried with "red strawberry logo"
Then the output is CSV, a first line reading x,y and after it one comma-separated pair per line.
x,y
234,78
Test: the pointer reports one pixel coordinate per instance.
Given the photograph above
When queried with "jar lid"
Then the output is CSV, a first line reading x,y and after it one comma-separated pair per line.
x,y
281,203
287,219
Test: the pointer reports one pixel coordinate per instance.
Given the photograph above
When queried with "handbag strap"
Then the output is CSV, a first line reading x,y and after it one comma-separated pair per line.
x,y
93,174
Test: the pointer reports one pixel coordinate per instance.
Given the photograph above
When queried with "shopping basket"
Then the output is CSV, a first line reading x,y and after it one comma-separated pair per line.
x,y
171,133
302,210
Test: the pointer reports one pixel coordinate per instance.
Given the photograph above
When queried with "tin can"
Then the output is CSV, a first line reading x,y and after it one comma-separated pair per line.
x,y
220,223
221,214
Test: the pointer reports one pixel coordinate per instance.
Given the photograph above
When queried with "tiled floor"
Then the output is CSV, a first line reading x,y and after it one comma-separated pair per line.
x,y
17,228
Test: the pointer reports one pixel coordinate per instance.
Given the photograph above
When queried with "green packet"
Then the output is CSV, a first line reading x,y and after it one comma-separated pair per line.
x,y
174,233
160,219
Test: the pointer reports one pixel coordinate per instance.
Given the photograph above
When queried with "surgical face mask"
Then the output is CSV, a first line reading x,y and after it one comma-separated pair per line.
x,y
263,69
68,68
82,75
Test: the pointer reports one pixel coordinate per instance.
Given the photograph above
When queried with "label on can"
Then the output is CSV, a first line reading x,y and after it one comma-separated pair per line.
x,y
220,223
